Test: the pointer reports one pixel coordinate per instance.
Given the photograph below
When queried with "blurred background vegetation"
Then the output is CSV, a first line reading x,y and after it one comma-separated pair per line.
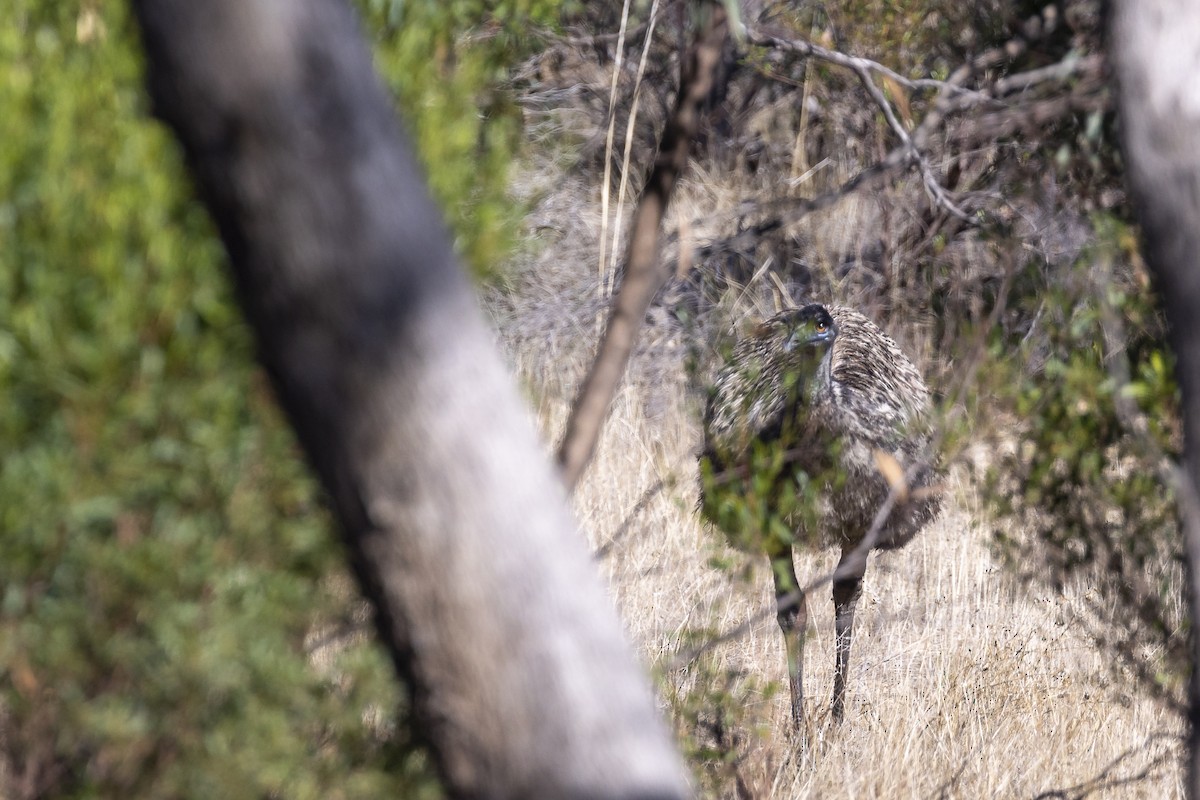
x,y
176,618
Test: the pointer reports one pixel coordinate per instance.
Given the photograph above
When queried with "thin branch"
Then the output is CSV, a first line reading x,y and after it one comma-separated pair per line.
x,y
591,40
644,272
936,191
608,146
953,98
1069,67
610,273
758,36
655,488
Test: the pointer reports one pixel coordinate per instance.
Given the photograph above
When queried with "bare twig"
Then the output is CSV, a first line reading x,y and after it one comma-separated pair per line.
x,y
1069,67
592,39
953,98
936,191
644,501
758,36
601,266
609,273
644,275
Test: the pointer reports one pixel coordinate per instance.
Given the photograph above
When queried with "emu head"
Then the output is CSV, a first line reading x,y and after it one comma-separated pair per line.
x,y
803,338
795,347
799,340
809,327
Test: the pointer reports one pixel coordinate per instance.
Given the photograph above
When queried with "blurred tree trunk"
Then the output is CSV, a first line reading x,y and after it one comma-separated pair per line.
x,y
523,685
1156,44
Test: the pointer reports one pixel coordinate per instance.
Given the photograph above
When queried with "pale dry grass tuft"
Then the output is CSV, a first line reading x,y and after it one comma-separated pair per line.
x,y
962,683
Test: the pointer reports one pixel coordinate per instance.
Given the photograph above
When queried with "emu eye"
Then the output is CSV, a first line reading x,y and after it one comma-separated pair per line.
x,y
821,327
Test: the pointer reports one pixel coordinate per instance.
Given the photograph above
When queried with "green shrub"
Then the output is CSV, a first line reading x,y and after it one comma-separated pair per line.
x,y
1081,486
167,570
446,64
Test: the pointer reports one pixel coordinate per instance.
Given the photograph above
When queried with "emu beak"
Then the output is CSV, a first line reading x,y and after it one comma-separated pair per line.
x,y
806,336
821,337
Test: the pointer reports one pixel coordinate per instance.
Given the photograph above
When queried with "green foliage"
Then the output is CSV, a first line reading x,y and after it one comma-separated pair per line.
x,y
758,492
722,718
1082,493
758,502
446,63
166,567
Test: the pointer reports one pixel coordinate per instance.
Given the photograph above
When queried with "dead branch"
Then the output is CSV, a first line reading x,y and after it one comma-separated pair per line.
x,y
1005,115
936,191
803,47
644,274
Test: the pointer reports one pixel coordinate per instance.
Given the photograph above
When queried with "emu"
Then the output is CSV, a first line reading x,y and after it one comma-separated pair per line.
x,y
804,418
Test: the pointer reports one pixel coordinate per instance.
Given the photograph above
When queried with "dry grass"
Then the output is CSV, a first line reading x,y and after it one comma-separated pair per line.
x,y
962,683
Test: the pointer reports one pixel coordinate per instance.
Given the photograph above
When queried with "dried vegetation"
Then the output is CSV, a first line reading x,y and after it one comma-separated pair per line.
x,y
997,666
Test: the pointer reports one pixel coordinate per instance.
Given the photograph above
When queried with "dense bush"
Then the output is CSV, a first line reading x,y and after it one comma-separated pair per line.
x,y
175,615
446,63
1082,485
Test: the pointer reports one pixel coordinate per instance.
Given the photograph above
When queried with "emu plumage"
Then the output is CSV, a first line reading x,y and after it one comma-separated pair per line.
x,y
835,397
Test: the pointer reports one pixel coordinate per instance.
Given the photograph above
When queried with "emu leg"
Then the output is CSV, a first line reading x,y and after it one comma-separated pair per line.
x,y
846,591
793,620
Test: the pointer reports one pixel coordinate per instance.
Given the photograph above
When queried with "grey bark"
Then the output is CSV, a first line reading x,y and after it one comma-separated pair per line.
x,y
456,523
1156,45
